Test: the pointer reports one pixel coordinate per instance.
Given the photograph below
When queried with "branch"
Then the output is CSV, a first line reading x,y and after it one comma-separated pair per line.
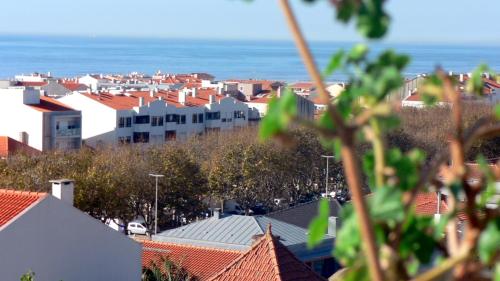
x,y
441,269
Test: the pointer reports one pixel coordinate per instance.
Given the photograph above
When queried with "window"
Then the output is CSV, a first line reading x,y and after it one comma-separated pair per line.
x,y
223,120
157,121
124,140
200,118
195,118
142,119
170,135
183,119
213,115
128,122
142,137
121,122
239,114
172,118
73,124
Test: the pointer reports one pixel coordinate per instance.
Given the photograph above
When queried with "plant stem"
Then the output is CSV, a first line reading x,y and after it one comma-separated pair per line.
x,y
378,150
346,134
441,269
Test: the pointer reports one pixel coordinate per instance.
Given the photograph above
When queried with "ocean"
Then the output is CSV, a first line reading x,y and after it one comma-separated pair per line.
x,y
226,59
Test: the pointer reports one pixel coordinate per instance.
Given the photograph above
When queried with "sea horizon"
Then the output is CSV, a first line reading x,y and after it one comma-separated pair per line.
x,y
75,55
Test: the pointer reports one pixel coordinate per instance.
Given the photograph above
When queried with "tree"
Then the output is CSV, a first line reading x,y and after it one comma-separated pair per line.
x,y
382,238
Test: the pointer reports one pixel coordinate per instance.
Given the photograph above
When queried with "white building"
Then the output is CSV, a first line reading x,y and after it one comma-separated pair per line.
x,y
258,107
38,121
155,116
45,234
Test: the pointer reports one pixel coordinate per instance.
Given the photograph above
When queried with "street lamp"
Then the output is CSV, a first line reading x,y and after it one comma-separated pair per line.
x,y
327,159
156,176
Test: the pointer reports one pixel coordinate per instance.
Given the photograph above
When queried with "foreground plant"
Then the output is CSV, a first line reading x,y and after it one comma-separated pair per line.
x,y
383,238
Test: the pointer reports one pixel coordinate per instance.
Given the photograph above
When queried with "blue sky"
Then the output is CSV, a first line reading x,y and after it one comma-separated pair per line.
x,y
421,21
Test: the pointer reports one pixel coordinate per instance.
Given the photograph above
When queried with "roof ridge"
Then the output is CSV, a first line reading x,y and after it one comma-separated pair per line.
x,y
190,246
255,245
22,192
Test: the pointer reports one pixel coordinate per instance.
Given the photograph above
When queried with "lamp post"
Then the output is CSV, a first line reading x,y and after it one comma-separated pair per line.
x,y
156,176
327,159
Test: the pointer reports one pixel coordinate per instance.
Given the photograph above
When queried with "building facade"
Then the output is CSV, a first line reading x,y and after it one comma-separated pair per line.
x,y
38,121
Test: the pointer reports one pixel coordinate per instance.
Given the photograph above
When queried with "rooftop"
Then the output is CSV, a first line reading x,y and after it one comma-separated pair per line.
x,y
13,203
201,262
9,146
268,259
49,105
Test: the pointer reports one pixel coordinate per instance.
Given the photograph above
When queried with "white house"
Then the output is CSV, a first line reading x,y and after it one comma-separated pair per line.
x,y
154,116
45,234
38,121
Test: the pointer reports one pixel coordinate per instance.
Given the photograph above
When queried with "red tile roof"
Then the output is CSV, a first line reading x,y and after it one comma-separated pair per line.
x,y
267,260
72,86
13,203
31,84
125,102
49,105
426,204
261,100
9,146
201,262
303,85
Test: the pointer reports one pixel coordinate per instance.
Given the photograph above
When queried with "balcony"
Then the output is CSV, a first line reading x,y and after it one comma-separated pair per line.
x,y
68,132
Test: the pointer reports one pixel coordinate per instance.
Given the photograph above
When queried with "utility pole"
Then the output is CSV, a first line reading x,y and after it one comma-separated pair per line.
x,y
327,159
156,176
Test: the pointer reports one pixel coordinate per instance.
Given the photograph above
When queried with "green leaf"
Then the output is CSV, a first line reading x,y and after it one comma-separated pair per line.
x,y
497,272
497,111
386,205
280,113
358,53
475,84
319,226
335,63
489,241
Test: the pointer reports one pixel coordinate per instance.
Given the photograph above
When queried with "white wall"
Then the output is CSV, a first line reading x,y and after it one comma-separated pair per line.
x,y
16,117
59,242
98,120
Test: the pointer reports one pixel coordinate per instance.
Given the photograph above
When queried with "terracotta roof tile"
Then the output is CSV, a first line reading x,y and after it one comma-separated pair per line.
x,y
426,204
9,146
49,105
201,262
268,260
13,202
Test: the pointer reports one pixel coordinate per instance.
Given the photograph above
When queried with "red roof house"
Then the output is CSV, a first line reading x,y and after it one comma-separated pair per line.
x,y
268,260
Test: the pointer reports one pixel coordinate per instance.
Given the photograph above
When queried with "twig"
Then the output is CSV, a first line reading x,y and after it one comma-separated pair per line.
x,y
441,269
350,161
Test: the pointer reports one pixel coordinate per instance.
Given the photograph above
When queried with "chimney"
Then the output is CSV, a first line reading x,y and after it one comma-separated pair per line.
x,y
211,99
278,92
151,93
194,91
141,101
332,226
220,91
89,91
182,97
216,213
63,190
461,77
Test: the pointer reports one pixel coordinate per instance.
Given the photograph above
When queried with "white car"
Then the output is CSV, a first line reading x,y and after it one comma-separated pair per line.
x,y
137,228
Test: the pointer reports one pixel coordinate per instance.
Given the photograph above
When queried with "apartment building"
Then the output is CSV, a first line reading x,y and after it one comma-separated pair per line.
x,y
155,116
38,121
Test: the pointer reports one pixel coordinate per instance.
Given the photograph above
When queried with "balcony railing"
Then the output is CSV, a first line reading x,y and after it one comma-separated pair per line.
x,y
68,132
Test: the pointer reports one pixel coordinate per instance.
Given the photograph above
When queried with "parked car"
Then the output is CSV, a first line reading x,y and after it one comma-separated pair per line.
x,y
137,228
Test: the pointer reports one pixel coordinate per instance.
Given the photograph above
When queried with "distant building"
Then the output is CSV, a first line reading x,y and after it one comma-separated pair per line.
x,y
155,116
45,234
258,107
38,121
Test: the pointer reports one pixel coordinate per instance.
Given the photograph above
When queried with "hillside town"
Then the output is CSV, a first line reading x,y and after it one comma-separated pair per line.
x,y
44,233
